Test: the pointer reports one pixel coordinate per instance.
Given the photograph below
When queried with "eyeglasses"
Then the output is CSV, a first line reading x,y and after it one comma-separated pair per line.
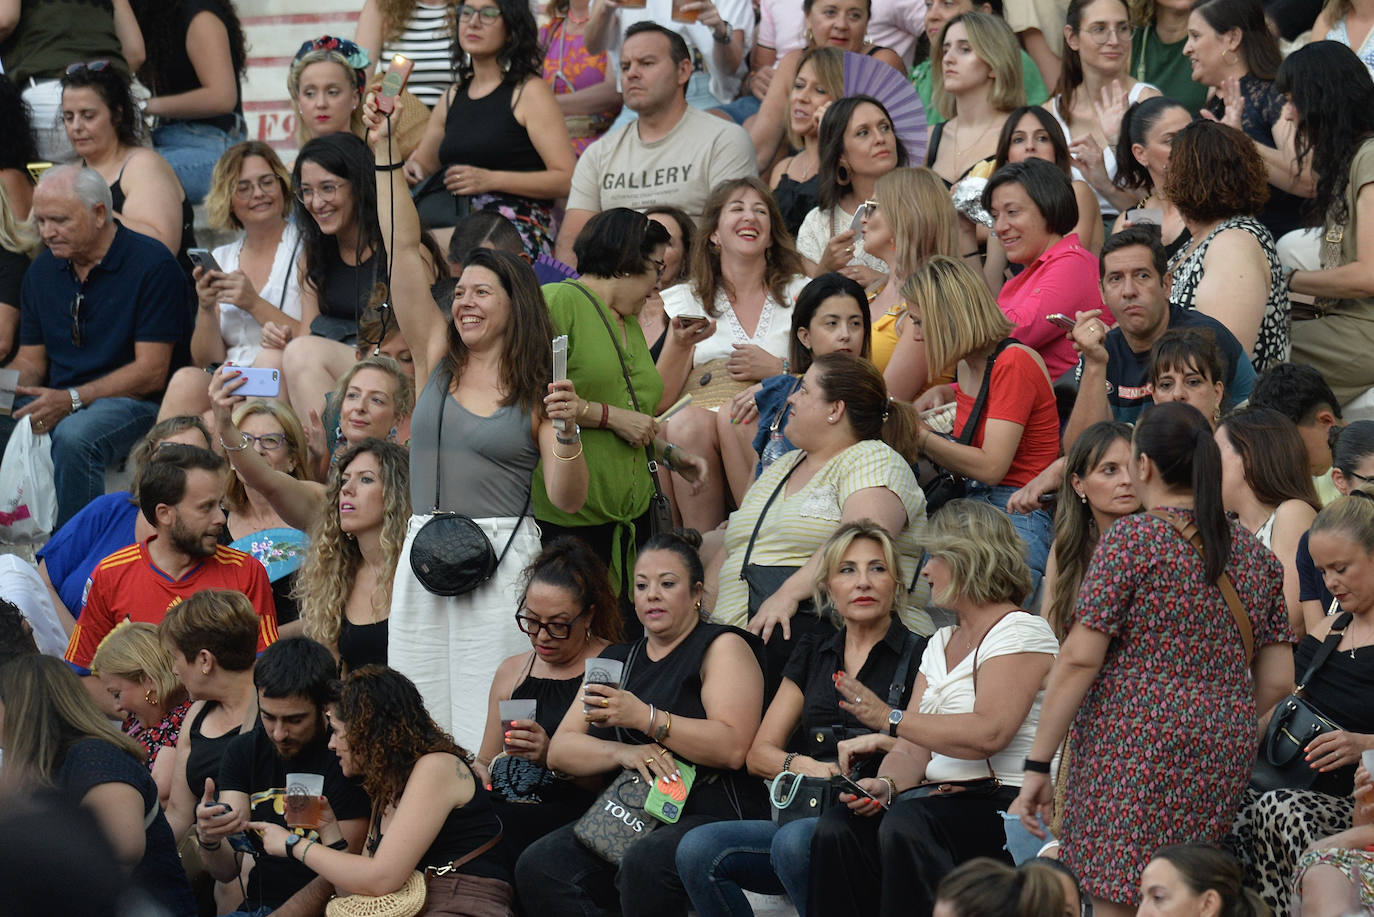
x,y
1101,33
558,630
78,340
94,66
327,191
489,14
270,442
868,208
1363,479
265,183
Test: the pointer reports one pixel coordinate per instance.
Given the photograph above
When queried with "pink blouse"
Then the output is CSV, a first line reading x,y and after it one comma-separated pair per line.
x,y
1063,279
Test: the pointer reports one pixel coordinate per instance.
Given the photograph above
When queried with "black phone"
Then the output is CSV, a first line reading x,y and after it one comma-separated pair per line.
x,y
849,786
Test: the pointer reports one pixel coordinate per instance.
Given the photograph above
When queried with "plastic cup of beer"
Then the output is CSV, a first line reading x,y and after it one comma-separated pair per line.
x,y
303,795
682,15
515,709
604,671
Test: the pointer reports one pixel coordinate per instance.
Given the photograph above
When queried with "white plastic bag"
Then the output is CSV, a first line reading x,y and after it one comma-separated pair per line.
x,y
28,497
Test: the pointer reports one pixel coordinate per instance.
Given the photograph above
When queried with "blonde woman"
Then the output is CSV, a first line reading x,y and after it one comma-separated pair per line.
x,y
255,527
373,399
909,221
325,83
796,179
344,586
18,242
135,668
978,83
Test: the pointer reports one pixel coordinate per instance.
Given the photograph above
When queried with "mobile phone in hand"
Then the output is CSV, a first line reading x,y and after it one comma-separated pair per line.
x,y
849,786
1060,319
397,73
202,259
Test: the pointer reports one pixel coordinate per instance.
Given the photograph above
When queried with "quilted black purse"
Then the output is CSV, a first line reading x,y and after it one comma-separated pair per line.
x,y
1281,763
947,485
451,555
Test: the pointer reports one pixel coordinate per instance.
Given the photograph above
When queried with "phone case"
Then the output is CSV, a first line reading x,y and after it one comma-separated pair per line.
x,y
261,382
667,799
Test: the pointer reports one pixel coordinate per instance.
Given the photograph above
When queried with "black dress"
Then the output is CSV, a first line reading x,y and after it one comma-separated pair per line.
x,y
796,199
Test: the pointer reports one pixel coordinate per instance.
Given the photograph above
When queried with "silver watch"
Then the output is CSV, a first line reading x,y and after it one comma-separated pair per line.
x,y
76,400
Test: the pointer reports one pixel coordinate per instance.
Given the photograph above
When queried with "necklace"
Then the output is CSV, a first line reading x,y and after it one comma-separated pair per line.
x,y
961,151
575,21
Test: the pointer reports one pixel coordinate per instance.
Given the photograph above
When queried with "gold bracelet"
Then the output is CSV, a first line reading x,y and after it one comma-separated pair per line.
x,y
569,458
891,788
582,414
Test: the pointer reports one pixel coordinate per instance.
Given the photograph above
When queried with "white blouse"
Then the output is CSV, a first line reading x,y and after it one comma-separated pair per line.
x,y
820,226
241,332
773,333
951,692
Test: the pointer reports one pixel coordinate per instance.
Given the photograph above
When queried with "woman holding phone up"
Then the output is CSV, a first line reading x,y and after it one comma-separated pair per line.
x,y
488,407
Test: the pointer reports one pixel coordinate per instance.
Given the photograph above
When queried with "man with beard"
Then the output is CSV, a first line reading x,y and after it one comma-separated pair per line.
x,y
179,494
293,678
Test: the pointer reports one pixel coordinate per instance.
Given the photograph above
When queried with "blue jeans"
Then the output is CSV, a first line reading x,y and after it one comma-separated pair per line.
x,y
84,444
718,861
742,109
698,96
192,149
1036,531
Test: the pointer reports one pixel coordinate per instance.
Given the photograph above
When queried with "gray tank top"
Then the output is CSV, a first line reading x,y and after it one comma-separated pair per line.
x,y
488,461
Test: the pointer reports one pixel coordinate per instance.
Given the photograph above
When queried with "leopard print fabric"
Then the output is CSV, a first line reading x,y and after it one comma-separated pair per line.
x,y
1272,831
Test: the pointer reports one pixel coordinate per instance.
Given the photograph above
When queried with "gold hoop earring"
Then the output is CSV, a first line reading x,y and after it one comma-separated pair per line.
x,y
149,697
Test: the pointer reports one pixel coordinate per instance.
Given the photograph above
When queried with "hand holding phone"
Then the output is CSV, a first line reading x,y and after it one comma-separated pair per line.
x,y
1060,319
203,259
560,371
397,73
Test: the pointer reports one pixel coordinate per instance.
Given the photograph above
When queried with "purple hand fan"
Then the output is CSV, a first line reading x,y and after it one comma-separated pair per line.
x,y
868,76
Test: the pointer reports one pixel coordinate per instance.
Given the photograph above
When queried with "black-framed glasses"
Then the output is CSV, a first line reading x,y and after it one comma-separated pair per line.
x,y
270,442
95,66
558,630
265,183
1362,478
326,191
489,14
78,340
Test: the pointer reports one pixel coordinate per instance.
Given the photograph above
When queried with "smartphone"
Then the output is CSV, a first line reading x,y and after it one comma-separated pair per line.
x,y
1060,319
397,73
857,224
849,786
1145,216
202,259
262,382
242,843
560,371
667,797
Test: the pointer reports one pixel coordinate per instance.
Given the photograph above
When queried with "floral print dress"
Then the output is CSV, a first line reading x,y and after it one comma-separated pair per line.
x,y
1163,742
160,735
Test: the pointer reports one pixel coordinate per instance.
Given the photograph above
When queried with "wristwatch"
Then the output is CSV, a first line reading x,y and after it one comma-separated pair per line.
x,y
893,720
340,844
729,33
76,400
291,841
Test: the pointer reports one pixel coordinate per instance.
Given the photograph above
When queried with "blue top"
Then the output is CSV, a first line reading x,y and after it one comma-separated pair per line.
x,y
137,292
102,527
772,404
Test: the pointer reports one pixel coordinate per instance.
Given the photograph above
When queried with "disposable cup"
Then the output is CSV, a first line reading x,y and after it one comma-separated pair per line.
x,y
604,671
303,800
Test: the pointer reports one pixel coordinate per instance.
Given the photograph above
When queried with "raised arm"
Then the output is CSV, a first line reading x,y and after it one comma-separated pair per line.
x,y
767,127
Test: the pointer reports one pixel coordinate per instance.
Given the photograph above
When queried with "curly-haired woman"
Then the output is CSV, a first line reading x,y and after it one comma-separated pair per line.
x,y
429,811
344,587
196,57
522,159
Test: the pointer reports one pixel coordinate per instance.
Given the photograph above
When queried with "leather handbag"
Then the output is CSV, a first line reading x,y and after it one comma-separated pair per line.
x,y
795,796
1280,763
947,485
660,509
437,206
763,580
451,555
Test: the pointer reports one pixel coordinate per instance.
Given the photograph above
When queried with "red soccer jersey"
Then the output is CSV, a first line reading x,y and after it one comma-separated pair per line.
x,y
127,586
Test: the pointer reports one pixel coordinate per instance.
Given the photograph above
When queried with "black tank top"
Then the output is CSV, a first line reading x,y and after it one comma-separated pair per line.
x,y
502,143
348,287
796,199
188,219
464,830
361,644
206,752
552,696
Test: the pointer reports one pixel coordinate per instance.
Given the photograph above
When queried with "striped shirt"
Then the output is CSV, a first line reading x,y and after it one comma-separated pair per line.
x,y
427,40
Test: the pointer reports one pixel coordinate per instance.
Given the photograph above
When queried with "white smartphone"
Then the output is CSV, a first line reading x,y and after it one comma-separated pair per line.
x,y
857,224
1145,216
560,371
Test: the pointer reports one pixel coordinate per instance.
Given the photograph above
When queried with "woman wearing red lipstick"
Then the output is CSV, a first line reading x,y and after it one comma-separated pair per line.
x,y
325,84
571,614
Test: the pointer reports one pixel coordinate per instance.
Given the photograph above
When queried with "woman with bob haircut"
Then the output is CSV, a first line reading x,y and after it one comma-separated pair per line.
x,y
213,640
1266,484
484,420
969,719
963,331
134,667
910,220
1216,180
1186,365
1031,132
1096,492
250,193
428,808
1333,104
1149,609
1035,217
746,275
860,583
978,82
619,253
1197,878
1235,54
858,146
55,737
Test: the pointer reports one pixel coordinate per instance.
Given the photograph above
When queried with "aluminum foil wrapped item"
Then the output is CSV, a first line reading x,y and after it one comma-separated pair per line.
x,y
967,194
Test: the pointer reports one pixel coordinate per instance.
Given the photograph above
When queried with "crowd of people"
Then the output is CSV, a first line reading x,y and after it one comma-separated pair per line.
x,y
609,465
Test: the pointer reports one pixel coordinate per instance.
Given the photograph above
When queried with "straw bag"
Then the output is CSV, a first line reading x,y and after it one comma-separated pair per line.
x,y
410,129
406,901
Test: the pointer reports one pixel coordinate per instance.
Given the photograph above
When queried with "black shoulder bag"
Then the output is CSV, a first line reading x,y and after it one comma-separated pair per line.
x,y
451,555
946,485
660,510
764,580
1281,763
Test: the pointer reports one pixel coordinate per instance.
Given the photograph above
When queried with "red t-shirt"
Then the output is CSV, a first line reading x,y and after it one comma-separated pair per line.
x,y
1020,393
127,586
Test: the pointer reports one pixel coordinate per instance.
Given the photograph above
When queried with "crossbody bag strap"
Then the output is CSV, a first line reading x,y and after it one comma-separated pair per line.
x,y
764,512
988,761
625,674
1228,591
624,371
898,687
981,402
1328,647
290,271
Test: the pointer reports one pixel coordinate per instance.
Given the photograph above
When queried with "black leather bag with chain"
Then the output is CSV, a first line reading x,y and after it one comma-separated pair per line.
x,y
451,555
660,509
946,485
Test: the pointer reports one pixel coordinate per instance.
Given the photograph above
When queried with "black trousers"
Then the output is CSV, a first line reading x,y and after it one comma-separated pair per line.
x,y
890,865
557,876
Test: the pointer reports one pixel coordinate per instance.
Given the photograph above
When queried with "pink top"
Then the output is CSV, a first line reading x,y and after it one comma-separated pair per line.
x,y
567,68
894,24
1063,279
